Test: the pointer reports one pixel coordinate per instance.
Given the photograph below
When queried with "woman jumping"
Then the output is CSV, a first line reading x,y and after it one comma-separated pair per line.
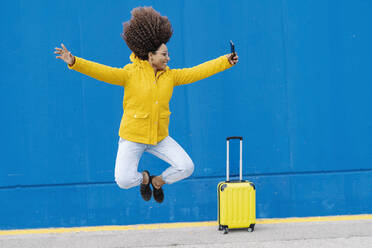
x,y
148,84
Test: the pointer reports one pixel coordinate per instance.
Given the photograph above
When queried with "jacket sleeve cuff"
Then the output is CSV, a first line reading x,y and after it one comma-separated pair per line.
x,y
73,67
228,65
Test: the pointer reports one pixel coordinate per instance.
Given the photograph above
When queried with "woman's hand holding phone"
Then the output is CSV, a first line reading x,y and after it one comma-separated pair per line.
x,y
232,57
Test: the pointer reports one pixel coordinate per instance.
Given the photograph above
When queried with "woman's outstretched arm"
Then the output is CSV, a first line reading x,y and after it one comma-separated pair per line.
x,y
207,69
117,76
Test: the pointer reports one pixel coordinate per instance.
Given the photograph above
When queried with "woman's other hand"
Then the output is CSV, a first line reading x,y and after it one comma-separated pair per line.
x,y
233,58
65,55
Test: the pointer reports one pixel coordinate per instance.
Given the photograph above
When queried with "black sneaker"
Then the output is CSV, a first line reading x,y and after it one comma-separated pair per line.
x,y
158,193
145,189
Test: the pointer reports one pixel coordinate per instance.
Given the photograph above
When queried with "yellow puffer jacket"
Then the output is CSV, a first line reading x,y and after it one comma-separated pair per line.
x,y
146,96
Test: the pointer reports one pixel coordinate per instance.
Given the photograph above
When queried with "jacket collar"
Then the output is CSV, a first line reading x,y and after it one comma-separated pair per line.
x,y
142,63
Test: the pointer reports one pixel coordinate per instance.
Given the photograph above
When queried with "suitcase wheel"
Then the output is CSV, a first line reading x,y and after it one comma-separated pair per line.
x,y
251,228
226,230
220,228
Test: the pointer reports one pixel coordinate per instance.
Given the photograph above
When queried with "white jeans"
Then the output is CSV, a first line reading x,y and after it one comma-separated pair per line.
x,y
129,154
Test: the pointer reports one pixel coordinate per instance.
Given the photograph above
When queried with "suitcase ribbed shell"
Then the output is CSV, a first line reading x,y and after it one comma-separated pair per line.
x,y
236,204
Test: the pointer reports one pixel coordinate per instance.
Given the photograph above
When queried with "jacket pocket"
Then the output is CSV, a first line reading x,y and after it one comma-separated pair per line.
x,y
165,115
141,115
136,124
163,124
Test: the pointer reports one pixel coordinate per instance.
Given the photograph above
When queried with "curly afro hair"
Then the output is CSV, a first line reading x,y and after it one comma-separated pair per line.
x,y
146,31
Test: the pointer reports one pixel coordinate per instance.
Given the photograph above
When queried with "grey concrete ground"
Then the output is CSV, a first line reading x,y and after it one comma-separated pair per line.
x,y
338,234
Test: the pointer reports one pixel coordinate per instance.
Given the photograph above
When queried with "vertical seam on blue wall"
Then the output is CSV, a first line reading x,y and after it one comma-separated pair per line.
x,y
186,89
86,152
289,114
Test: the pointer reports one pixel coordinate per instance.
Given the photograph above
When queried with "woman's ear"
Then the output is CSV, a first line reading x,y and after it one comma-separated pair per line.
x,y
150,56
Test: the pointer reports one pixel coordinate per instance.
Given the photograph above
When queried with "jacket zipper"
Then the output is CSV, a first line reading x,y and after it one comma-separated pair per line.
x,y
155,120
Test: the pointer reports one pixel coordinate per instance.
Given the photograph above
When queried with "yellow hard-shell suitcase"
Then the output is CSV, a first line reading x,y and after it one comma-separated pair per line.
x,y
236,199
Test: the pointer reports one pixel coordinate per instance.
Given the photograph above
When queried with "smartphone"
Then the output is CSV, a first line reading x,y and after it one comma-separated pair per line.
x,y
232,48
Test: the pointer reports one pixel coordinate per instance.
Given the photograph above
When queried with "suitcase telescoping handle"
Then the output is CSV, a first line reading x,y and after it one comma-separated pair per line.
x,y
240,160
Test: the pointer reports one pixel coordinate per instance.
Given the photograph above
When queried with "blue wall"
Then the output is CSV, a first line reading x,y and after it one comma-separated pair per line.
x,y
301,96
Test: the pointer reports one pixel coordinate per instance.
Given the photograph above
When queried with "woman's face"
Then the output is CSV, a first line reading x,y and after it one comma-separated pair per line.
x,y
159,58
